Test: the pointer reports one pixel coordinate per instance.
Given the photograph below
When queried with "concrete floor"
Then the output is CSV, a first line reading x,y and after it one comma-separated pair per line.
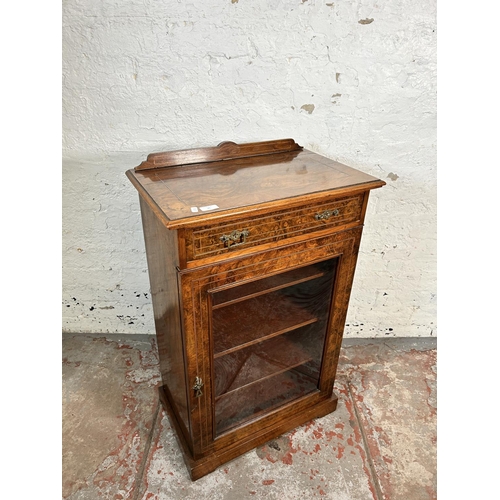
x,y
380,443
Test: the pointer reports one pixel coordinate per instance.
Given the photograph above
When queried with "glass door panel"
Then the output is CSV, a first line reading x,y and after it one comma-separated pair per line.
x,y
268,338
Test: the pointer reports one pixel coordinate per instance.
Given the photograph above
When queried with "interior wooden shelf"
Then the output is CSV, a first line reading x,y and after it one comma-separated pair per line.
x,y
237,327
266,359
255,288
262,397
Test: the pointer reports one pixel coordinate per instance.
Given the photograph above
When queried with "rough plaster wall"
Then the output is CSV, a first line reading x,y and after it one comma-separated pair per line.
x,y
354,81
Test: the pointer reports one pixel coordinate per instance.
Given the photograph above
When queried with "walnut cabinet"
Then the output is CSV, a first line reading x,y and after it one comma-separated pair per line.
x,y
251,253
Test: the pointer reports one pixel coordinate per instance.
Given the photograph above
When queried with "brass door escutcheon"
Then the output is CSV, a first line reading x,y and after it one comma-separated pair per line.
x,y
198,384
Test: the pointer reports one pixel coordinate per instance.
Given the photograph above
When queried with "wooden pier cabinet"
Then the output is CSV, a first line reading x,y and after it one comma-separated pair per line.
x,y
251,253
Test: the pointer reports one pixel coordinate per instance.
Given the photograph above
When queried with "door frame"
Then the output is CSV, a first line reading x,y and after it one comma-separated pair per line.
x,y
194,286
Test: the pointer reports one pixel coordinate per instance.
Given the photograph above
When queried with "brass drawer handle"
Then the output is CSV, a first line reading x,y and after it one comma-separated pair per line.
x,y
198,384
235,238
326,214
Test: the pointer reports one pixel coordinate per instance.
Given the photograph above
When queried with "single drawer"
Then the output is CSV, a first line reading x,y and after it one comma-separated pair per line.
x,y
217,239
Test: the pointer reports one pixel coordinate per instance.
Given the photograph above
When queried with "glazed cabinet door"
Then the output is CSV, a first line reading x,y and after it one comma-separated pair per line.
x,y
263,336
268,341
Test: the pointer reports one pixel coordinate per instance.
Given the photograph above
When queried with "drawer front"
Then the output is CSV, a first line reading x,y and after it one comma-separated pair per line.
x,y
223,238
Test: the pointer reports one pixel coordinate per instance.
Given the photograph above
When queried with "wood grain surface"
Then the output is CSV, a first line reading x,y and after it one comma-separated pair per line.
x,y
188,193
224,151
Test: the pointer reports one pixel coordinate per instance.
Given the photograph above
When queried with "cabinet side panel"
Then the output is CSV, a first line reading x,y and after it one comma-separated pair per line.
x,y
162,256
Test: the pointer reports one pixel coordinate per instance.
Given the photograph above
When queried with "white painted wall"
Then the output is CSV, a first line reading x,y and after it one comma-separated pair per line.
x,y
354,81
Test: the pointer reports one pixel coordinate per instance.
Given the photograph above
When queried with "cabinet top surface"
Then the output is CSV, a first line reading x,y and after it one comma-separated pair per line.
x,y
189,191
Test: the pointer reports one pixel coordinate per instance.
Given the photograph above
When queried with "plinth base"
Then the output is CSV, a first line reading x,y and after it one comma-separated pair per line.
x,y
204,465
